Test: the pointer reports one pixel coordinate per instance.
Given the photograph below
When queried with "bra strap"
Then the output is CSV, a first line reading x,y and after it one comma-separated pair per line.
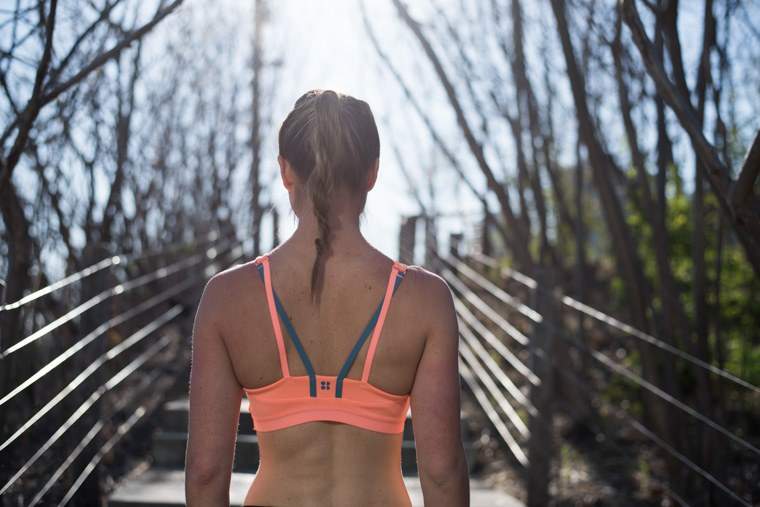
x,y
390,290
262,264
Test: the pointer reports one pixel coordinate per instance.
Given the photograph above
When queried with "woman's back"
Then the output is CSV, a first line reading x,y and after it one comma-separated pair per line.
x,y
328,419
326,458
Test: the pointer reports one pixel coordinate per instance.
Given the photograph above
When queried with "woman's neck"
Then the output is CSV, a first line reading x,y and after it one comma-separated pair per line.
x,y
346,239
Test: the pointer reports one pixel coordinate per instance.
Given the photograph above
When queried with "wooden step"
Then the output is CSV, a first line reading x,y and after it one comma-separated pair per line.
x,y
169,452
166,488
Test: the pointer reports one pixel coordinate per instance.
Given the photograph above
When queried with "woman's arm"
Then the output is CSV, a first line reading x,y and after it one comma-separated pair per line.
x,y
215,397
435,404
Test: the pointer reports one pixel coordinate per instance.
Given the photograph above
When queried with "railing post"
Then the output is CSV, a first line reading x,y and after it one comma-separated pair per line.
x,y
4,373
431,240
541,448
455,242
89,492
486,246
275,228
406,239
2,302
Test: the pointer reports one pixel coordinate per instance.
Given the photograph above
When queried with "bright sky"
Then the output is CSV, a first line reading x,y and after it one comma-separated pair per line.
x,y
324,45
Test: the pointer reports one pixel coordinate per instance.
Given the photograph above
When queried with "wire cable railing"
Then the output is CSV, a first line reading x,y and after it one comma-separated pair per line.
x,y
156,348
483,307
619,325
116,290
105,327
475,365
641,382
491,413
622,371
96,333
205,260
472,355
127,425
112,353
475,375
496,345
497,292
609,365
679,456
632,421
114,260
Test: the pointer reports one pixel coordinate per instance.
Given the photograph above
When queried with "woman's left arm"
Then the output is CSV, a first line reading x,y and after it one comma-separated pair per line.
x,y
215,396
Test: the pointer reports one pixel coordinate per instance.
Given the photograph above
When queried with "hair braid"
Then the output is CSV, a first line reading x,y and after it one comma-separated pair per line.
x,y
330,139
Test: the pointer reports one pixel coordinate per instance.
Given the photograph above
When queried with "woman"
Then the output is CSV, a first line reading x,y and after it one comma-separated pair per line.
x,y
329,346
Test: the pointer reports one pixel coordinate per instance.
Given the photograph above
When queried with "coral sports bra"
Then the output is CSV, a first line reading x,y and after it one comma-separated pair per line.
x,y
298,399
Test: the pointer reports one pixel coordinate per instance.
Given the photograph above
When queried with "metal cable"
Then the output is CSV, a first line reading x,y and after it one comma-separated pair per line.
x,y
468,320
497,292
497,344
122,430
674,452
638,380
484,308
102,359
97,394
621,326
467,352
97,332
118,289
621,370
84,407
488,408
156,348
119,259
641,382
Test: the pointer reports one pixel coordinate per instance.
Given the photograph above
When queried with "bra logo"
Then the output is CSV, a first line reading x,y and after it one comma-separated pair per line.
x,y
324,384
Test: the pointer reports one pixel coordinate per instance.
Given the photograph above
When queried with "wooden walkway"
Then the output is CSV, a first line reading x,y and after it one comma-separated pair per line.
x,y
166,488
163,483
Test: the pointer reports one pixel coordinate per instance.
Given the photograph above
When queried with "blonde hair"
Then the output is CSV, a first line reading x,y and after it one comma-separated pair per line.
x,y
330,139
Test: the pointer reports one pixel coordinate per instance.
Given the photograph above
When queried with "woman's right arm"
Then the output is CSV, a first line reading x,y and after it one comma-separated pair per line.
x,y
435,403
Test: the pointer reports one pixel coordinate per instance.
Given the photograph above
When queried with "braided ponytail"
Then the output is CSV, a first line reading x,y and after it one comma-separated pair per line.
x,y
331,140
326,139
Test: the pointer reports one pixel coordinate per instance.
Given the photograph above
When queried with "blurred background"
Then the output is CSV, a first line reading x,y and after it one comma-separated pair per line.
x,y
583,173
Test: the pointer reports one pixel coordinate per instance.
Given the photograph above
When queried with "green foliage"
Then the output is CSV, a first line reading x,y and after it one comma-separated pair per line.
x,y
733,288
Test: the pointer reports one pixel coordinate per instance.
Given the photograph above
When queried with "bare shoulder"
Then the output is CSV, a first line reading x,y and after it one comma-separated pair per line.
x,y
433,289
433,298
227,289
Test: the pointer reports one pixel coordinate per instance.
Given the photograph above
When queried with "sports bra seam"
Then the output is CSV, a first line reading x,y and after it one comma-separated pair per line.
x,y
386,420
382,427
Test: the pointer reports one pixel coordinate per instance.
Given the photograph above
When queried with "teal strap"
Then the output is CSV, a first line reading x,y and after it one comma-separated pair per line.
x,y
294,337
299,347
365,334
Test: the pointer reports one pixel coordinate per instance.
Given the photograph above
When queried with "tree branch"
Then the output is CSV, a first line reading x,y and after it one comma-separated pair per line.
x,y
741,195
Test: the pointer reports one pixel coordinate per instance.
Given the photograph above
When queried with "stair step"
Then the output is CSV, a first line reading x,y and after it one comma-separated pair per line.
x,y
169,452
169,449
174,418
166,488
